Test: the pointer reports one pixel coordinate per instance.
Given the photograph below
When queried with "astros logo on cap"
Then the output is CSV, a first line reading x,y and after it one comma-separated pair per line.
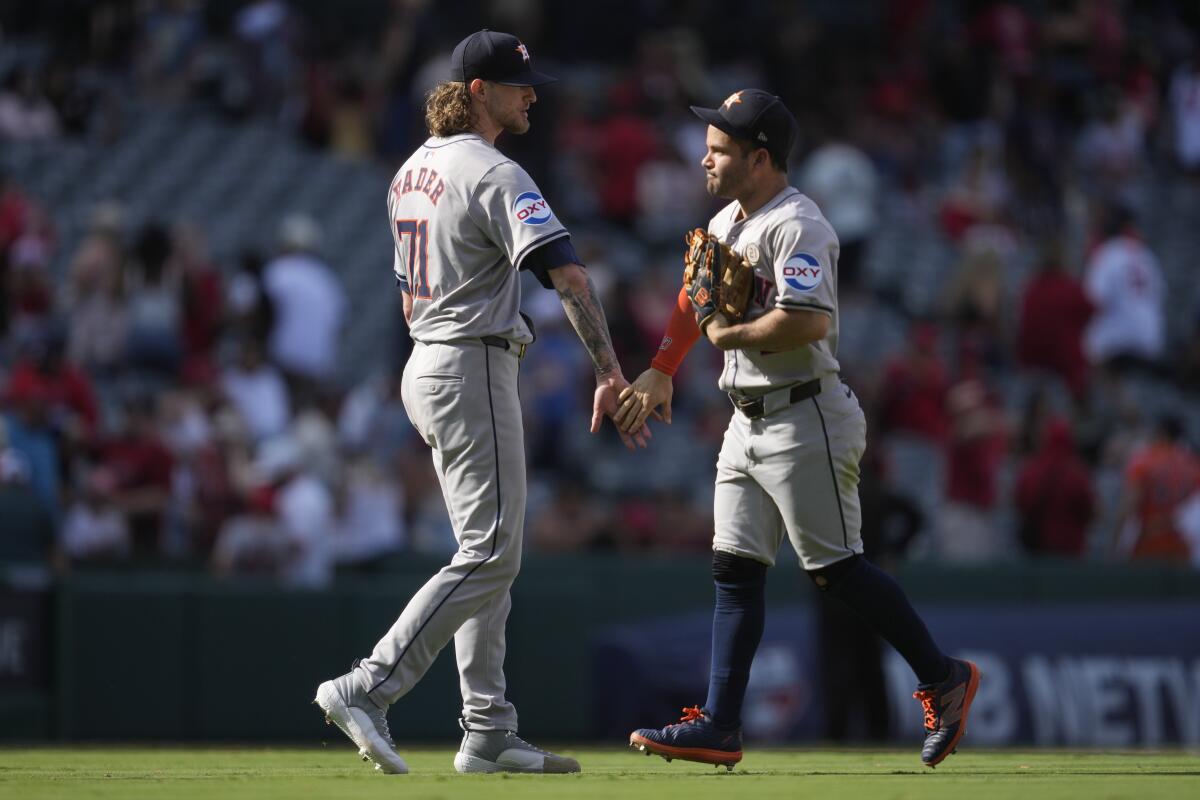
x,y
736,97
524,51
802,272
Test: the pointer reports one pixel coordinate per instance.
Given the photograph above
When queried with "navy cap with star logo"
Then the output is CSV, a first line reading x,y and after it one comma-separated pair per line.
x,y
755,116
497,57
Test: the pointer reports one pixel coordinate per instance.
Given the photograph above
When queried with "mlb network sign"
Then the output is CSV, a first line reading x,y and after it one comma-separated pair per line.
x,y
1053,675
1072,676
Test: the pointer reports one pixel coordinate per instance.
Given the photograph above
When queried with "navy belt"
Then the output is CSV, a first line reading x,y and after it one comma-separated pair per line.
x,y
755,407
504,344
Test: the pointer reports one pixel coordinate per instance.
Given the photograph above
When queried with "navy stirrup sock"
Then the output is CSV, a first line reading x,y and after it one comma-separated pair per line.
x,y
737,629
878,599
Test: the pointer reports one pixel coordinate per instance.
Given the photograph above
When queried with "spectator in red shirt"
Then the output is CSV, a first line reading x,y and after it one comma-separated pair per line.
x,y
70,399
1158,480
142,466
978,195
1054,313
1010,33
13,211
627,140
1054,497
13,207
967,530
202,300
28,293
914,388
912,414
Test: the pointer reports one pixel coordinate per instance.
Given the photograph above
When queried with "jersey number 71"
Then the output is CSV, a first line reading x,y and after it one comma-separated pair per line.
x,y
418,257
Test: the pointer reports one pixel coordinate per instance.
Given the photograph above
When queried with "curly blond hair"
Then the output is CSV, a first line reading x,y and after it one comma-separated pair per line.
x,y
448,109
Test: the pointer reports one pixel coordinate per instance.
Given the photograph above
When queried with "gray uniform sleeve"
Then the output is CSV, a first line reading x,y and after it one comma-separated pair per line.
x,y
805,259
510,209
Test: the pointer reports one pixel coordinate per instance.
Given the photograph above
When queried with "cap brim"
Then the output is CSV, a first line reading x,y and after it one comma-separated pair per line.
x,y
528,78
713,117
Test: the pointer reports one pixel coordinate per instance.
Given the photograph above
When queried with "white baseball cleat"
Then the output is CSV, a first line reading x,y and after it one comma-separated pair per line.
x,y
504,751
346,705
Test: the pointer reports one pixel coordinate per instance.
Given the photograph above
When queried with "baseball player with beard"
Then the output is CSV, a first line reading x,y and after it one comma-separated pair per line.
x,y
465,220
789,462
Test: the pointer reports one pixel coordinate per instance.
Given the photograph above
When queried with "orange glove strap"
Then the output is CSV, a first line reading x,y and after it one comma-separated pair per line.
x,y
682,332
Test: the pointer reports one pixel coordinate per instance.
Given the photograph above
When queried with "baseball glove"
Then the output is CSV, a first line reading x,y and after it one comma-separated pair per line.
x,y
716,278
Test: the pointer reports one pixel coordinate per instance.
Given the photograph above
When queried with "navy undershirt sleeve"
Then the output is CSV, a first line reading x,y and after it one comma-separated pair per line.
x,y
556,253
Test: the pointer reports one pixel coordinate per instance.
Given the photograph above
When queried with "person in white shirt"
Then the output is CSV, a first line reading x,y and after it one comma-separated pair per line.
x,y
309,302
841,179
258,392
1184,99
304,508
25,113
1123,280
94,527
371,524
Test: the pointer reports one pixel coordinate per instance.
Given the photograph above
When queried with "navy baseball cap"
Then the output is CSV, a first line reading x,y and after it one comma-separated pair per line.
x,y
755,116
497,57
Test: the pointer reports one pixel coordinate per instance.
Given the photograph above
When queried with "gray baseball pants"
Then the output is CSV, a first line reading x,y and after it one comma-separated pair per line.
x,y
462,399
793,473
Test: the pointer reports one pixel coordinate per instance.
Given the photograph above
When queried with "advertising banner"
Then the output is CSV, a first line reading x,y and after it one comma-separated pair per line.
x,y
1062,675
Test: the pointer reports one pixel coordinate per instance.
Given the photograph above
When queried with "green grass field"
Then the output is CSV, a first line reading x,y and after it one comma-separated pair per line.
x,y
334,772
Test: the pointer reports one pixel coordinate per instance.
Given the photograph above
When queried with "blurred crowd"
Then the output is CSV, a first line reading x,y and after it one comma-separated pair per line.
x,y
159,407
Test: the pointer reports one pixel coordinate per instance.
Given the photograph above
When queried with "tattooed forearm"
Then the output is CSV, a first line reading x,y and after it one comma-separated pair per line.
x,y
587,317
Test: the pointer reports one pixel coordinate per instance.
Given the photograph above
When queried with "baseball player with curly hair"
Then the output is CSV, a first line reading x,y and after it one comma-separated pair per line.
x,y
789,462
465,220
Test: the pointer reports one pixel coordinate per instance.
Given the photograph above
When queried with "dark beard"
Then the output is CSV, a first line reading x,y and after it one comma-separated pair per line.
x,y
718,188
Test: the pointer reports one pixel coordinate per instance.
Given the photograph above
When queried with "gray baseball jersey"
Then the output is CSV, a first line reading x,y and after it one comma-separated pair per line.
x,y
793,471
463,217
794,253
